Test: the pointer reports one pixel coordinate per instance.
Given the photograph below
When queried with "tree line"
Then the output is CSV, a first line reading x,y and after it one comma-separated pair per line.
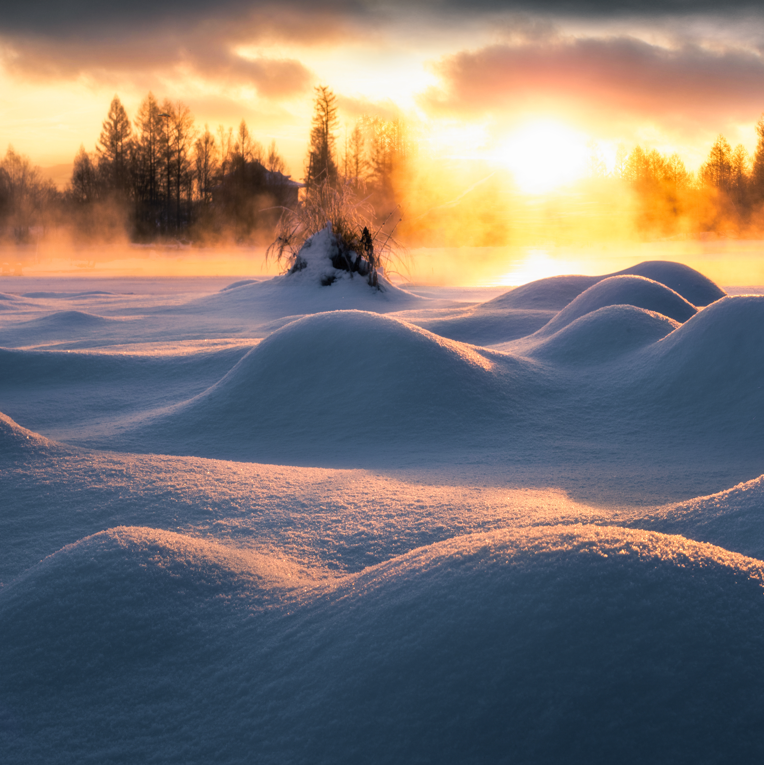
x,y
724,196
160,176
165,177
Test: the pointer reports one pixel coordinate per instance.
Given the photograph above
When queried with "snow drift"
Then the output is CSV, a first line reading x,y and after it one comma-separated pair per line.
x,y
552,644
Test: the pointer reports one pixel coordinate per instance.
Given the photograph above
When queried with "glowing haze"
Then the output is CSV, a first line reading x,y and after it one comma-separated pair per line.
x,y
481,77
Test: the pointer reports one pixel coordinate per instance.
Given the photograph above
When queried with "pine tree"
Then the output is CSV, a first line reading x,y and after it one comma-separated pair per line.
x,y
179,141
84,183
717,170
114,149
148,152
205,157
757,171
321,164
740,161
274,162
355,160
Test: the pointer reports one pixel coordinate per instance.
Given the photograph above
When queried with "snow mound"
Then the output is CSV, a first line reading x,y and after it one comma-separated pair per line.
x,y
733,519
126,596
240,283
557,644
710,369
622,290
484,326
63,320
556,292
685,281
16,441
315,287
343,377
605,334
550,294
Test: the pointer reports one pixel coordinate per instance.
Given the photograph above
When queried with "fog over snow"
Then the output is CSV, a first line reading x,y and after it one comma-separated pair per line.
x,y
291,523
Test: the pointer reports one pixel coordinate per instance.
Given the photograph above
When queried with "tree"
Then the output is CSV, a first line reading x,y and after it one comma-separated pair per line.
x,y
114,149
205,157
178,140
676,173
321,165
757,171
274,163
24,193
717,170
84,183
148,154
355,159
245,148
740,161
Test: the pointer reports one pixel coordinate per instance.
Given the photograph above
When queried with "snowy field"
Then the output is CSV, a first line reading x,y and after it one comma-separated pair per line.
x,y
279,522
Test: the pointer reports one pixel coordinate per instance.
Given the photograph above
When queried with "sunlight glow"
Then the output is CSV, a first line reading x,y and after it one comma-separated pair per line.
x,y
543,155
537,264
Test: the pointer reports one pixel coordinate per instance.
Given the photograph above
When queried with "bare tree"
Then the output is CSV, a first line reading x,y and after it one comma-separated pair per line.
x,y
24,193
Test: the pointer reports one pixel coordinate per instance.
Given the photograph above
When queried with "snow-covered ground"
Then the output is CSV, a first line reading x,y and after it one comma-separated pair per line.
x,y
280,522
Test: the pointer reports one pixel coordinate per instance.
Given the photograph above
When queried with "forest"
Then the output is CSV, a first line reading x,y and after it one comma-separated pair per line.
x,y
160,177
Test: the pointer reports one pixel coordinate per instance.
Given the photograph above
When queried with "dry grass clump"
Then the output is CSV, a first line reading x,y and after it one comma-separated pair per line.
x,y
364,247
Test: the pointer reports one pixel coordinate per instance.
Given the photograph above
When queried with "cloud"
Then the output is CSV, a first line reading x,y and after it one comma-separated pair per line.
x,y
616,78
63,17
355,107
131,60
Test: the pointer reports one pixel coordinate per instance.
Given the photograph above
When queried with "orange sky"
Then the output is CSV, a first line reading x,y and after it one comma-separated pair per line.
x,y
473,77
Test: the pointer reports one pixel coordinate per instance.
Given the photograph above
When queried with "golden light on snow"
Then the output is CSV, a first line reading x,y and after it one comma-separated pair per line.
x,y
543,155
538,264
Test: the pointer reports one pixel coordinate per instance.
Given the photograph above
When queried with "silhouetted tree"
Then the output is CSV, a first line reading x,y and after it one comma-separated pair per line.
x,y
740,162
274,163
84,186
355,164
147,161
178,141
207,166
245,147
114,149
26,196
321,164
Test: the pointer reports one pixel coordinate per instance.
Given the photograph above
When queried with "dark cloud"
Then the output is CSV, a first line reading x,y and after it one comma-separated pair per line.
x,y
617,77
83,19
58,18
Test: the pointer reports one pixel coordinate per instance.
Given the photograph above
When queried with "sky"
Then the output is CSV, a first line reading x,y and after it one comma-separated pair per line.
x,y
474,77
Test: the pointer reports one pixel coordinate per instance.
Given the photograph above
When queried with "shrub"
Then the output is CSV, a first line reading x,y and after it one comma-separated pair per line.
x,y
363,247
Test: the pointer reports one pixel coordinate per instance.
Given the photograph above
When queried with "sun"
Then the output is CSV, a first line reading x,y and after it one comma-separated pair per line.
x,y
543,155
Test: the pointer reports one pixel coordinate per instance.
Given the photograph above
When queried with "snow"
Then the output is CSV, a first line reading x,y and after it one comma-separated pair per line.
x,y
287,522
